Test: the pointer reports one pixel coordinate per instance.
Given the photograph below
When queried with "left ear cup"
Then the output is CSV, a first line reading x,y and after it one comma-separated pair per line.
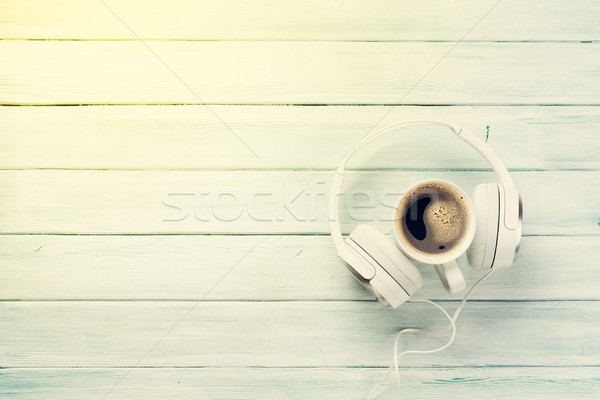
x,y
392,268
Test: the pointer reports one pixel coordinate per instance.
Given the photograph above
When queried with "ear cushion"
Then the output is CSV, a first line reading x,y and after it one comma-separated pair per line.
x,y
486,199
385,254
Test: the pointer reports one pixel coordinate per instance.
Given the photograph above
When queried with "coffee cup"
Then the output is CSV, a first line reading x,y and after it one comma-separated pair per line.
x,y
434,224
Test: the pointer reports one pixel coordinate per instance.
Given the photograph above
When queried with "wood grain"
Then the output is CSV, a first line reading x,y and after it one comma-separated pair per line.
x,y
270,202
100,270
286,334
302,20
190,137
116,72
41,267
300,383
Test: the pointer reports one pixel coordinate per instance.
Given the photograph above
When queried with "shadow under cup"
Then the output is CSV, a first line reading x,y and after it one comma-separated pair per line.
x,y
434,222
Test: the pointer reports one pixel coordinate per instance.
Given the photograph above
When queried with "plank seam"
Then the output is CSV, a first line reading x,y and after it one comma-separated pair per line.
x,y
433,367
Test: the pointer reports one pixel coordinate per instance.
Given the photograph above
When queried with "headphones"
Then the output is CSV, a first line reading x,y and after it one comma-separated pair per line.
x,y
389,274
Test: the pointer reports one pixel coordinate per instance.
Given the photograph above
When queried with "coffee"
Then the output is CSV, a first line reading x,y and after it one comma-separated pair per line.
x,y
433,220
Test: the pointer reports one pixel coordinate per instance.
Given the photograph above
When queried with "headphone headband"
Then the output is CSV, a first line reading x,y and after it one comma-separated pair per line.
x,y
338,180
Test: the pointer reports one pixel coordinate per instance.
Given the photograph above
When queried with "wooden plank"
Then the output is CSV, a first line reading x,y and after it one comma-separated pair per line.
x,y
302,20
291,334
56,201
299,383
190,137
116,72
287,268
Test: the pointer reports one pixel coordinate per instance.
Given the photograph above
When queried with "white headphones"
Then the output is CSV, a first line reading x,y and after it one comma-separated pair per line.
x,y
389,274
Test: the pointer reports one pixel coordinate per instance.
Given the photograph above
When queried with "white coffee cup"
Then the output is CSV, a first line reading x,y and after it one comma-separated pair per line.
x,y
435,224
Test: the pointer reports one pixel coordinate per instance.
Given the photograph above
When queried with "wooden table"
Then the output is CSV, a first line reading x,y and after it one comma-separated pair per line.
x,y
163,206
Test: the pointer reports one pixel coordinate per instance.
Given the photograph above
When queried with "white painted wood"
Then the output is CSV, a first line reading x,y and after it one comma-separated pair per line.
x,y
300,383
56,201
267,330
288,334
190,137
278,268
302,20
298,72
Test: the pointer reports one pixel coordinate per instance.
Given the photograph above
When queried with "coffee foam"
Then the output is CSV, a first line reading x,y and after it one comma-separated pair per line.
x,y
445,220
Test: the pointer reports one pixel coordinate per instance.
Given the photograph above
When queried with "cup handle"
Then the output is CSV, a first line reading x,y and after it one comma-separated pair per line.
x,y
451,276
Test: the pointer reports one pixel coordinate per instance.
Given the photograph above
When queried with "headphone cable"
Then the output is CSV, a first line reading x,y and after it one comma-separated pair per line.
x,y
451,325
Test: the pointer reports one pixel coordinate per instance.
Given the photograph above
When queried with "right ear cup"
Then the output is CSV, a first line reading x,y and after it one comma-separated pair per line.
x,y
395,277
486,201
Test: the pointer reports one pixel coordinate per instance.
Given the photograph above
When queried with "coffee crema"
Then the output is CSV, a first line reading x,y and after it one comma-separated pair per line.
x,y
433,219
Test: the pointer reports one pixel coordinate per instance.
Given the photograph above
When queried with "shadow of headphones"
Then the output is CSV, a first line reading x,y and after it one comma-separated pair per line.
x,y
387,272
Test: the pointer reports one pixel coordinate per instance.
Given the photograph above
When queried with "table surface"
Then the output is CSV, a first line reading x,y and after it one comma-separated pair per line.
x,y
163,199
